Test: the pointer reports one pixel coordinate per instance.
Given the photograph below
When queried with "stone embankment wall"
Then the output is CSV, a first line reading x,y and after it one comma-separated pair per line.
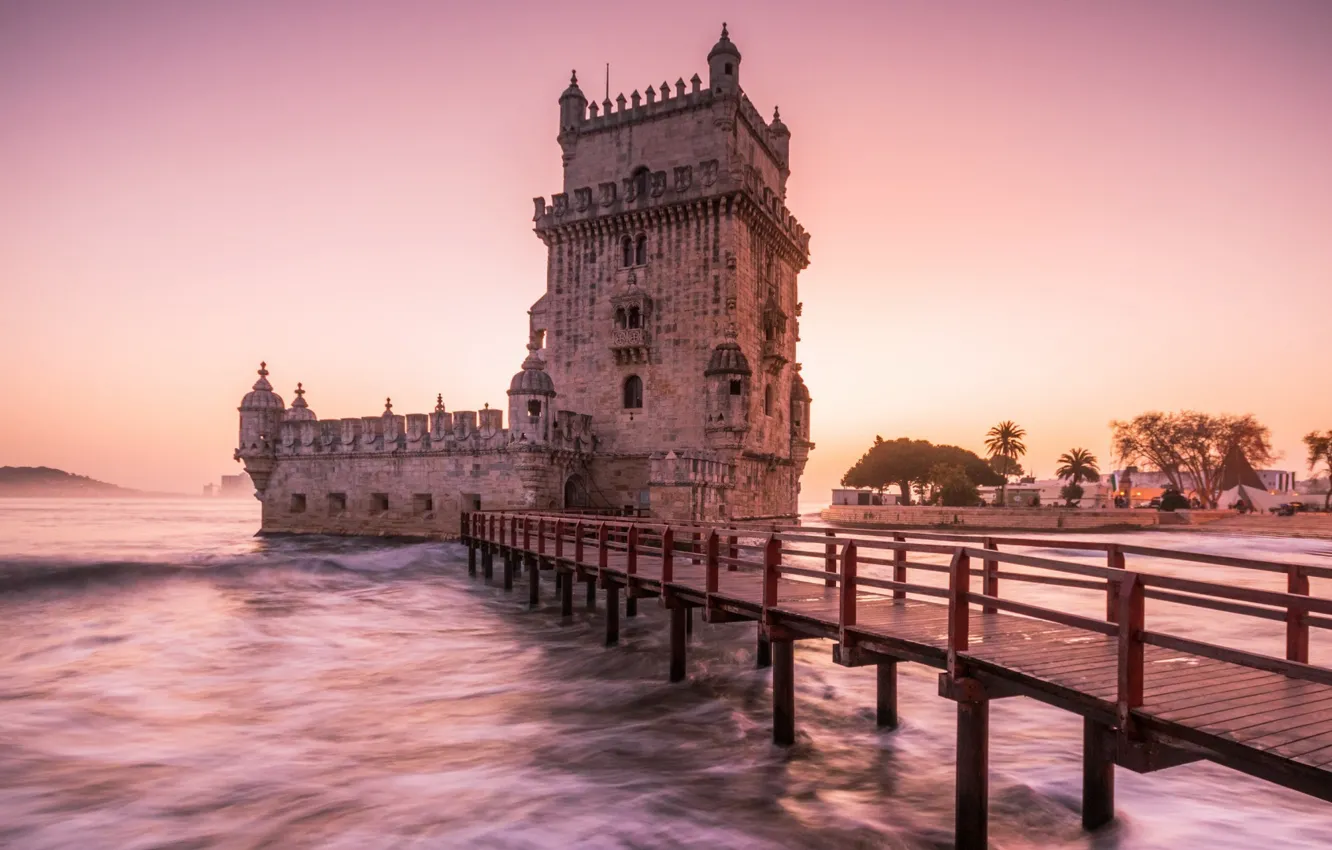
x,y
1042,518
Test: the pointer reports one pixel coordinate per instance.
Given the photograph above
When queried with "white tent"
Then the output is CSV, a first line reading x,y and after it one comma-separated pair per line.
x,y
1256,498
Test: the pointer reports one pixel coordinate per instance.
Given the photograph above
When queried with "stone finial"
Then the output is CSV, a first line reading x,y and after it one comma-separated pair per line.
x,y
300,401
486,406
635,99
573,77
651,94
606,106
696,83
620,102
262,383
679,86
594,109
388,405
665,90
439,403
725,34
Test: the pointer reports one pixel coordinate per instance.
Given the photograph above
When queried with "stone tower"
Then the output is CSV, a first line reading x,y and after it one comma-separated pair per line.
x,y
671,311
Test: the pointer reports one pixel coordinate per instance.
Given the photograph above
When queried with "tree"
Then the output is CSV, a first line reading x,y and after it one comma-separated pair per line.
x,y
1320,451
1005,440
952,486
1077,466
908,464
1191,443
998,464
1070,492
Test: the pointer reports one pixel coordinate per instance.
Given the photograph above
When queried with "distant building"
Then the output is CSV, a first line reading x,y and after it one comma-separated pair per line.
x,y
1047,491
210,490
856,496
1278,482
236,486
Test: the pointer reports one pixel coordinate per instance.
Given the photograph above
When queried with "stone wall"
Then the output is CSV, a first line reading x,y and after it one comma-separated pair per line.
x,y
1043,518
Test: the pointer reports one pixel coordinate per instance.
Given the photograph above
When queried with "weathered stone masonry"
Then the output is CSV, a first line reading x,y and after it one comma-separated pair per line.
x,y
670,318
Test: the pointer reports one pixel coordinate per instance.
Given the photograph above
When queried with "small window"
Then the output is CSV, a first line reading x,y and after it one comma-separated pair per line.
x,y
621,318
640,179
337,503
767,401
633,392
379,503
423,503
627,250
736,386
640,250
728,69
298,503
534,408
635,320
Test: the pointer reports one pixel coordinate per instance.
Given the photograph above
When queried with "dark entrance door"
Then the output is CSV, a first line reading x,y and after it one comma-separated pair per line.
x,y
575,493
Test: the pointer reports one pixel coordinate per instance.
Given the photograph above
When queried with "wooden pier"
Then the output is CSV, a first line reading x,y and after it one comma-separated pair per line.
x,y
1149,699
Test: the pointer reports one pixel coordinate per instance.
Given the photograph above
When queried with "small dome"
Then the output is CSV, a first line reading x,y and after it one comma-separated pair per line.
x,y
777,127
299,411
262,397
573,90
799,392
532,380
724,46
728,359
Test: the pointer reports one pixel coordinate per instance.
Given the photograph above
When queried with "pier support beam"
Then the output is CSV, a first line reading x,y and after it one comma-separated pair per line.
x,y
885,712
566,595
630,605
783,692
488,564
509,560
471,559
1098,774
973,772
591,594
559,577
612,614
533,581
689,621
763,653
678,615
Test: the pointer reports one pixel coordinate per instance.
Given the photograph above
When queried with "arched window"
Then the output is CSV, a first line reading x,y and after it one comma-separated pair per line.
x,y
620,321
533,408
633,392
767,401
640,250
635,320
627,250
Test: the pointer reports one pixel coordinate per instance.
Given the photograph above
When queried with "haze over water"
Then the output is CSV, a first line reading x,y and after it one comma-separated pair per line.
x,y
168,680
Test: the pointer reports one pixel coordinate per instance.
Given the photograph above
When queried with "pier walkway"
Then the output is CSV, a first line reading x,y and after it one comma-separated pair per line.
x,y
1149,699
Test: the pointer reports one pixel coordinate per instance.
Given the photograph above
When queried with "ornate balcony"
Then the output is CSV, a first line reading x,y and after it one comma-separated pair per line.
x,y
630,345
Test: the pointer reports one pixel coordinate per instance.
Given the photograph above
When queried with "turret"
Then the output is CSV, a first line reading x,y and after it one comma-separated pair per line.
x,y
799,407
727,394
573,106
261,412
300,410
724,66
780,139
531,393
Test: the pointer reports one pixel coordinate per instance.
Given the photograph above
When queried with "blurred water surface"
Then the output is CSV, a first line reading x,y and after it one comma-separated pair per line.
x,y
167,680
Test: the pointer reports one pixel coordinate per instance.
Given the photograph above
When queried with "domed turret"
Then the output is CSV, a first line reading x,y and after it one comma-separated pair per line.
x,y
728,391
261,413
780,137
530,394
299,411
724,65
573,105
262,397
728,359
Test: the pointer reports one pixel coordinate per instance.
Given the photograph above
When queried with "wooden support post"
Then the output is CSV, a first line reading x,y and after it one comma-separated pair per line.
x,y
1297,619
471,558
689,621
990,576
846,614
566,594
678,615
667,556
612,613
973,774
783,692
631,569
959,611
488,564
899,566
1098,774
772,559
885,712
1131,620
510,559
591,594
1114,559
830,558
763,656
711,577
534,581
630,605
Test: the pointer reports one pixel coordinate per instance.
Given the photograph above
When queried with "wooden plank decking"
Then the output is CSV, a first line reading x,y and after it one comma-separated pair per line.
x,y
1148,704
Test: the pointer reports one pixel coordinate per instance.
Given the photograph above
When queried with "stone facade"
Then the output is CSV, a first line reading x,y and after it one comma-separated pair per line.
x,y
670,320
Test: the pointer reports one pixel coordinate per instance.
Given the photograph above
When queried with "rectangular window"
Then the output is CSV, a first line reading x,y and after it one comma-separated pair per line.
x,y
378,503
298,503
735,388
423,503
337,503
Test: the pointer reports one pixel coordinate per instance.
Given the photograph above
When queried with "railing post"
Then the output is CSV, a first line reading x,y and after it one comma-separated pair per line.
x,y
1132,618
667,556
733,550
847,591
959,610
502,523
1114,559
830,558
991,576
527,532
578,543
631,557
772,558
490,538
710,583
1297,618
899,566
603,551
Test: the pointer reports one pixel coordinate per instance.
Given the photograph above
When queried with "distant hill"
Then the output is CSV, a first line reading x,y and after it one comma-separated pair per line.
x,y
29,481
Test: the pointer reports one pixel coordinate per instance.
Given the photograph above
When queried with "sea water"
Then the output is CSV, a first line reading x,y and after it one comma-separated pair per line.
x,y
168,680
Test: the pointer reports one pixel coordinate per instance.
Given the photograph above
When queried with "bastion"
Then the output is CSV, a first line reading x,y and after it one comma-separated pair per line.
x,y
661,375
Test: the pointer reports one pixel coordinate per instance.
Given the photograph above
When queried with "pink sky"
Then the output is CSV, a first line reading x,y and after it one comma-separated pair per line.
x,y
1058,213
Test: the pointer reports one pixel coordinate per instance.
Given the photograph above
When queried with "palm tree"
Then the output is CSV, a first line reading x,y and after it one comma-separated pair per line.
x,y
1005,440
1077,466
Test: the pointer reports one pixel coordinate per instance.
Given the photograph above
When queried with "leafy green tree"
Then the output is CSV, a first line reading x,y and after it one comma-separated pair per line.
x,y
953,487
1319,445
908,464
1005,441
1077,466
1071,493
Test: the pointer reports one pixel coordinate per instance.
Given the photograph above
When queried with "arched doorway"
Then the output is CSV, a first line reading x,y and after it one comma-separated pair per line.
x,y
575,493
